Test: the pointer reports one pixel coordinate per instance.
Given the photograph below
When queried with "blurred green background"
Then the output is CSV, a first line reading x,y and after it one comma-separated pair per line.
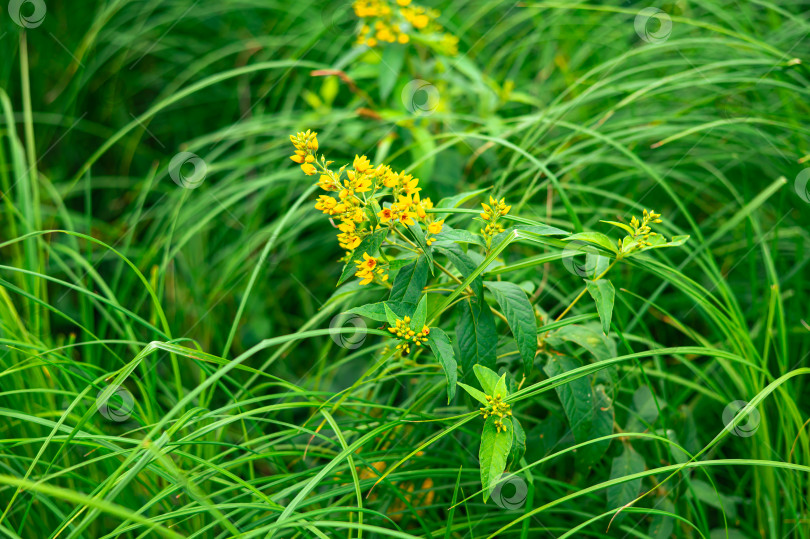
x,y
698,110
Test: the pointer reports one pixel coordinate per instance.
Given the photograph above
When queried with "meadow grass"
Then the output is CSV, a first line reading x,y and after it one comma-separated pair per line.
x,y
214,307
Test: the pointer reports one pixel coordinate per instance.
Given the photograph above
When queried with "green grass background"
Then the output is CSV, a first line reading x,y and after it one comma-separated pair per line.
x,y
209,305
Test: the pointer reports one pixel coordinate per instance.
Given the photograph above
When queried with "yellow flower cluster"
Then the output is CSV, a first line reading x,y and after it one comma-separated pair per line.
x,y
386,23
358,209
403,331
642,230
492,212
368,268
306,144
497,408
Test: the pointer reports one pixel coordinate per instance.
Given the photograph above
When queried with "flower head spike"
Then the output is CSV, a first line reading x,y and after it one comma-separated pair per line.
x,y
408,335
496,408
491,214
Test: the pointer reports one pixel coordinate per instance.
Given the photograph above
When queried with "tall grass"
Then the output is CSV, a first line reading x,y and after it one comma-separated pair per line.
x,y
212,306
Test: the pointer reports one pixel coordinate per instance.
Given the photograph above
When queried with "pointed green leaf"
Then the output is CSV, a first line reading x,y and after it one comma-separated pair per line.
x,y
596,238
440,345
500,388
459,235
620,494
419,314
603,295
475,335
487,378
518,445
457,200
529,231
493,453
602,425
410,281
520,315
390,316
419,235
575,396
465,265
474,393
626,228
376,311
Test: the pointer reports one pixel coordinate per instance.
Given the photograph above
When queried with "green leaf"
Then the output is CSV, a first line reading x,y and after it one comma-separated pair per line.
x,y
459,235
520,315
589,337
371,245
410,281
493,453
376,311
595,238
644,411
603,295
419,314
626,228
440,346
457,200
601,425
474,393
390,316
530,230
465,265
398,263
619,495
487,378
419,235
475,335
575,396
518,445
500,387
675,242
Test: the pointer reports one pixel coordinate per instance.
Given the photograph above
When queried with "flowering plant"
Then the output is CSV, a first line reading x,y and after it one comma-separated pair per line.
x,y
392,235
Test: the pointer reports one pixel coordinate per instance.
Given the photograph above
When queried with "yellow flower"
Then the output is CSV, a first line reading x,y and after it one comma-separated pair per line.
x,y
365,276
362,185
347,226
349,240
361,164
368,262
326,183
436,227
297,158
386,215
368,269
404,202
406,218
308,169
326,204
409,184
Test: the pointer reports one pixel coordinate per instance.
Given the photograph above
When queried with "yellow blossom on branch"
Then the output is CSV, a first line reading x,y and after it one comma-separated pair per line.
x,y
353,201
389,21
402,330
368,269
491,214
